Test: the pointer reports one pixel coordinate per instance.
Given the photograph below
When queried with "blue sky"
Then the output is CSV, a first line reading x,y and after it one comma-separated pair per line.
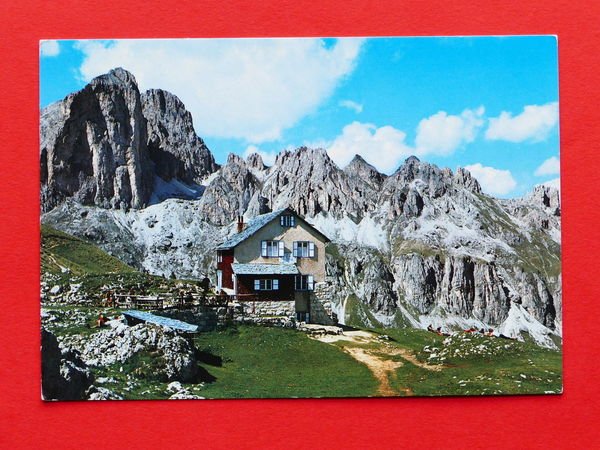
x,y
486,103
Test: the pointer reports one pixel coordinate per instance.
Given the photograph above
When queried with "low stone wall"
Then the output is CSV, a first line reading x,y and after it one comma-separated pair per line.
x,y
207,319
267,313
269,309
270,313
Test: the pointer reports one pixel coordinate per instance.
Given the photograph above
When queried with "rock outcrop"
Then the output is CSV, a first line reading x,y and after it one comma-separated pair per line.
x,y
310,182
64,375
365,173
93,146
174,147
104,145
230,192
173,358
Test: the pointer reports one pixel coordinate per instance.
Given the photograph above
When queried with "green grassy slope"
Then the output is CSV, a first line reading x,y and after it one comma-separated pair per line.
x,y
61,250
272,362
476,365
68,260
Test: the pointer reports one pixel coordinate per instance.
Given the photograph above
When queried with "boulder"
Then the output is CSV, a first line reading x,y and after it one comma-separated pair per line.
x,y
64,375
157,352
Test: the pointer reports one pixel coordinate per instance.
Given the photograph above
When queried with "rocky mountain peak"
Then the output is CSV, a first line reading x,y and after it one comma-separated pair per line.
x,y
358,160
105,144
304,156
116,77
93,146
364,171
545,196
230,192
234,159
255,161
173,144
463,178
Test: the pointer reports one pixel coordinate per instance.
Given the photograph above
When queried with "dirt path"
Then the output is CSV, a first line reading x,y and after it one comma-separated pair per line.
x,y
378,361
381,368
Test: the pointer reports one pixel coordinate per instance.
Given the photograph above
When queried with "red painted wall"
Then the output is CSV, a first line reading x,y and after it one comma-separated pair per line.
x,y
225,267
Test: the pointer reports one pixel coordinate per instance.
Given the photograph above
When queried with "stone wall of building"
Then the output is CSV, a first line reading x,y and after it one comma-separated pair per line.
x,y
321,310
268,309
274,314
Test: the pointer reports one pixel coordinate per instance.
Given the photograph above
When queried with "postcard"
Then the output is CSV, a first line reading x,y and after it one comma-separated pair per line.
x,y
300,217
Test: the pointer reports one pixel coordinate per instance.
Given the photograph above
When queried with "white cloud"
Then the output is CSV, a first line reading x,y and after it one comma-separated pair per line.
x,y
267,157
442,134
534,124
549,167
493,181
352,105
49,48
555,183
383,147
235,88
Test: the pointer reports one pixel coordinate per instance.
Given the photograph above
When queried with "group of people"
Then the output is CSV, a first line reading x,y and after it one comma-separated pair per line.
x,y
482,331
103,319
438,330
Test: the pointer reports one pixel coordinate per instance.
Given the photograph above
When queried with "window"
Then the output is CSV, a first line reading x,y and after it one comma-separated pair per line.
x,y
304,249
219,256
272,249
305,283
266,285
287,221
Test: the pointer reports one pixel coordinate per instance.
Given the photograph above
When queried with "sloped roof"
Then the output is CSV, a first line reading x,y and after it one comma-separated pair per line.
x,y
256,224
264,269
252,227
161,320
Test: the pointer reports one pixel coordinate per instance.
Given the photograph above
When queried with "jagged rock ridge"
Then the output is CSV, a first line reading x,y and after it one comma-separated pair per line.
x,y
422,246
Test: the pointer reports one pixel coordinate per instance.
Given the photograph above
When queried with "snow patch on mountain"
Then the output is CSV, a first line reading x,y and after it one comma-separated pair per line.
x,y
519,321
174,189
459,231
367,232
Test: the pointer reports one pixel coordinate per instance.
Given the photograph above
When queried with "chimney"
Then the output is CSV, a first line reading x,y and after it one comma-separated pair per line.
x,y
240,223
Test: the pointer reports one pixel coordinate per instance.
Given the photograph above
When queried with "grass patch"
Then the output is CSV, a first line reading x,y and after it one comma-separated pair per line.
x,y
69,261
475,365
358,314
68,320
402,246
61,250
540,255
274,362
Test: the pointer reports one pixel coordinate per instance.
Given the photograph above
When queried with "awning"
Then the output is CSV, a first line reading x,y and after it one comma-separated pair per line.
x,y
264,269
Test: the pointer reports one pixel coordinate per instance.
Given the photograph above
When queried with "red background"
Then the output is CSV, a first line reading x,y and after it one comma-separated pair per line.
x,y
566,421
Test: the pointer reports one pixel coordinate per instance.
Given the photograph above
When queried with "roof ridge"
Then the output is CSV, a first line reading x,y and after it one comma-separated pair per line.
x,y
257,223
